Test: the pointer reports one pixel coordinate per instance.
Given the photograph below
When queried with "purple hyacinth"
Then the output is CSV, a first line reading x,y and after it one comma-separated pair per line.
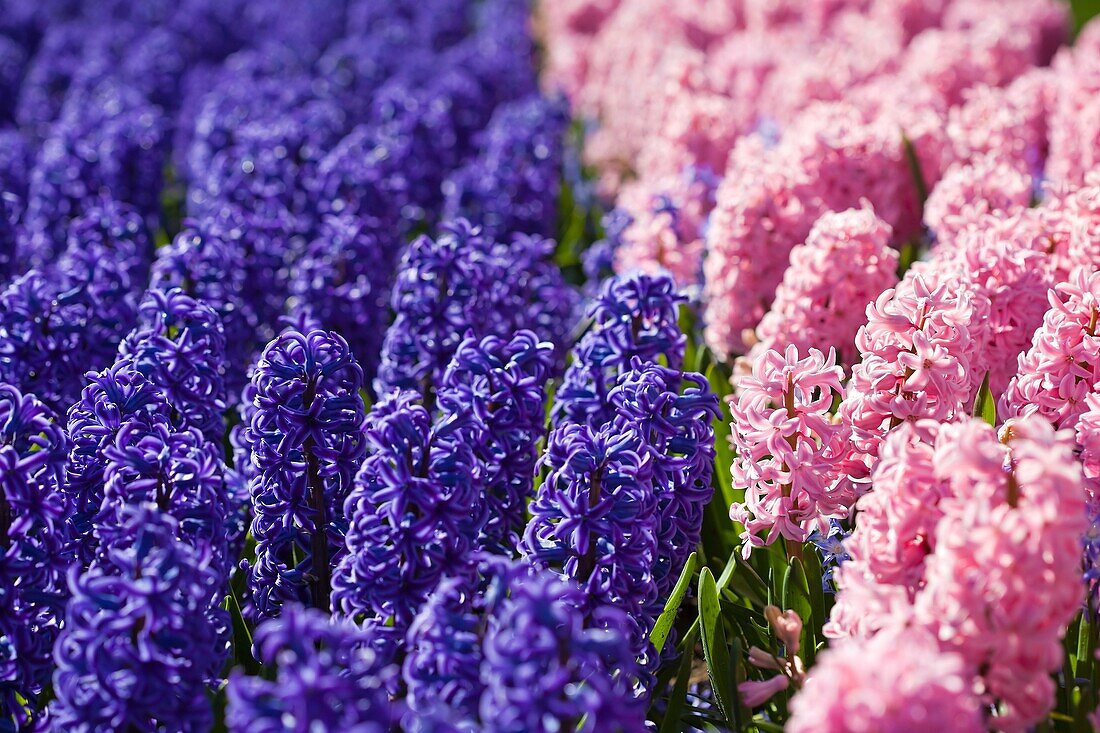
x,y
547,665
599,259
211,268
306,442
140,636
32,569
342,281
13,62
512,186
673,411
631,317
504,384
113,399
178,472
325,679
15,162
595,520
9,206
463,281
107,140
432,24
58,58
415,512
179,345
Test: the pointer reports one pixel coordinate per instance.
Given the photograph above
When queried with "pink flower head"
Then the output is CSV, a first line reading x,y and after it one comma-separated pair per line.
x,y
1075,118
916,349
898,681
969,192
790,454
787,626
843,266
755,693
1088,442
1063,364
1011,528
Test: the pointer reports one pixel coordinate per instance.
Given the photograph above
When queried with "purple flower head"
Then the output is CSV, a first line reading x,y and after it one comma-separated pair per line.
x,y
599,259
15,162
327,680
180,473
307,443
211,268
431,24
415,512
631,317
108,140
179,345
342,281
47,78
13,61
463,281
32,560
113,399
549,665
9,226
504,384
512,186
673,411
595,519
140,636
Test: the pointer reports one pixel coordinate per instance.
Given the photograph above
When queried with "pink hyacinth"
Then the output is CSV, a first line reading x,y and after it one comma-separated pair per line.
x,y
1069,220
1008,274
916,351
969,192
1088,443
843,266
898,681
1075,117
1004,579
1063,364
790,454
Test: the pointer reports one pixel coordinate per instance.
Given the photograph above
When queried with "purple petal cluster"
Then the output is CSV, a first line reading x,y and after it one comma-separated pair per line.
x,y
414,513
512,186
306,441
140,637
463,280
179,345
503,383
326,679
631,317
32,542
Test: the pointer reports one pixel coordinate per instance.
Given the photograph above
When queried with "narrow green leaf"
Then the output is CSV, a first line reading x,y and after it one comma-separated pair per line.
x,y
672,606
678,697
799,601
715,650
985,406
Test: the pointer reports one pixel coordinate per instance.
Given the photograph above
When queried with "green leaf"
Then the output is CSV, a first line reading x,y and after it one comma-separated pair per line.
x,y
672,606
678,697
915,169
799,601
715,650
985,406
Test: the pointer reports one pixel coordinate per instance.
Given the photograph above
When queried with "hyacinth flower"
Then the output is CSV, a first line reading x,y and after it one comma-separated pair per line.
x,y
33,446
9,230
504,383
179,345
306,442
1061,368
548,664
115,398
791,457
463,280
210,268
57,323
342,281
109,138
631,317
415,512
980,599
787,627
140,637
595,520
898,681
673,411
512,185
844,265
915,354
180,473
325,678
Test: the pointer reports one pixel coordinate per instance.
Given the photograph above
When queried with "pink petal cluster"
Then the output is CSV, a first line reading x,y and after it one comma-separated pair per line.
x,y
900,681
790,455
1062,367
1004,535
969,192
1075,114
845,263
915,350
